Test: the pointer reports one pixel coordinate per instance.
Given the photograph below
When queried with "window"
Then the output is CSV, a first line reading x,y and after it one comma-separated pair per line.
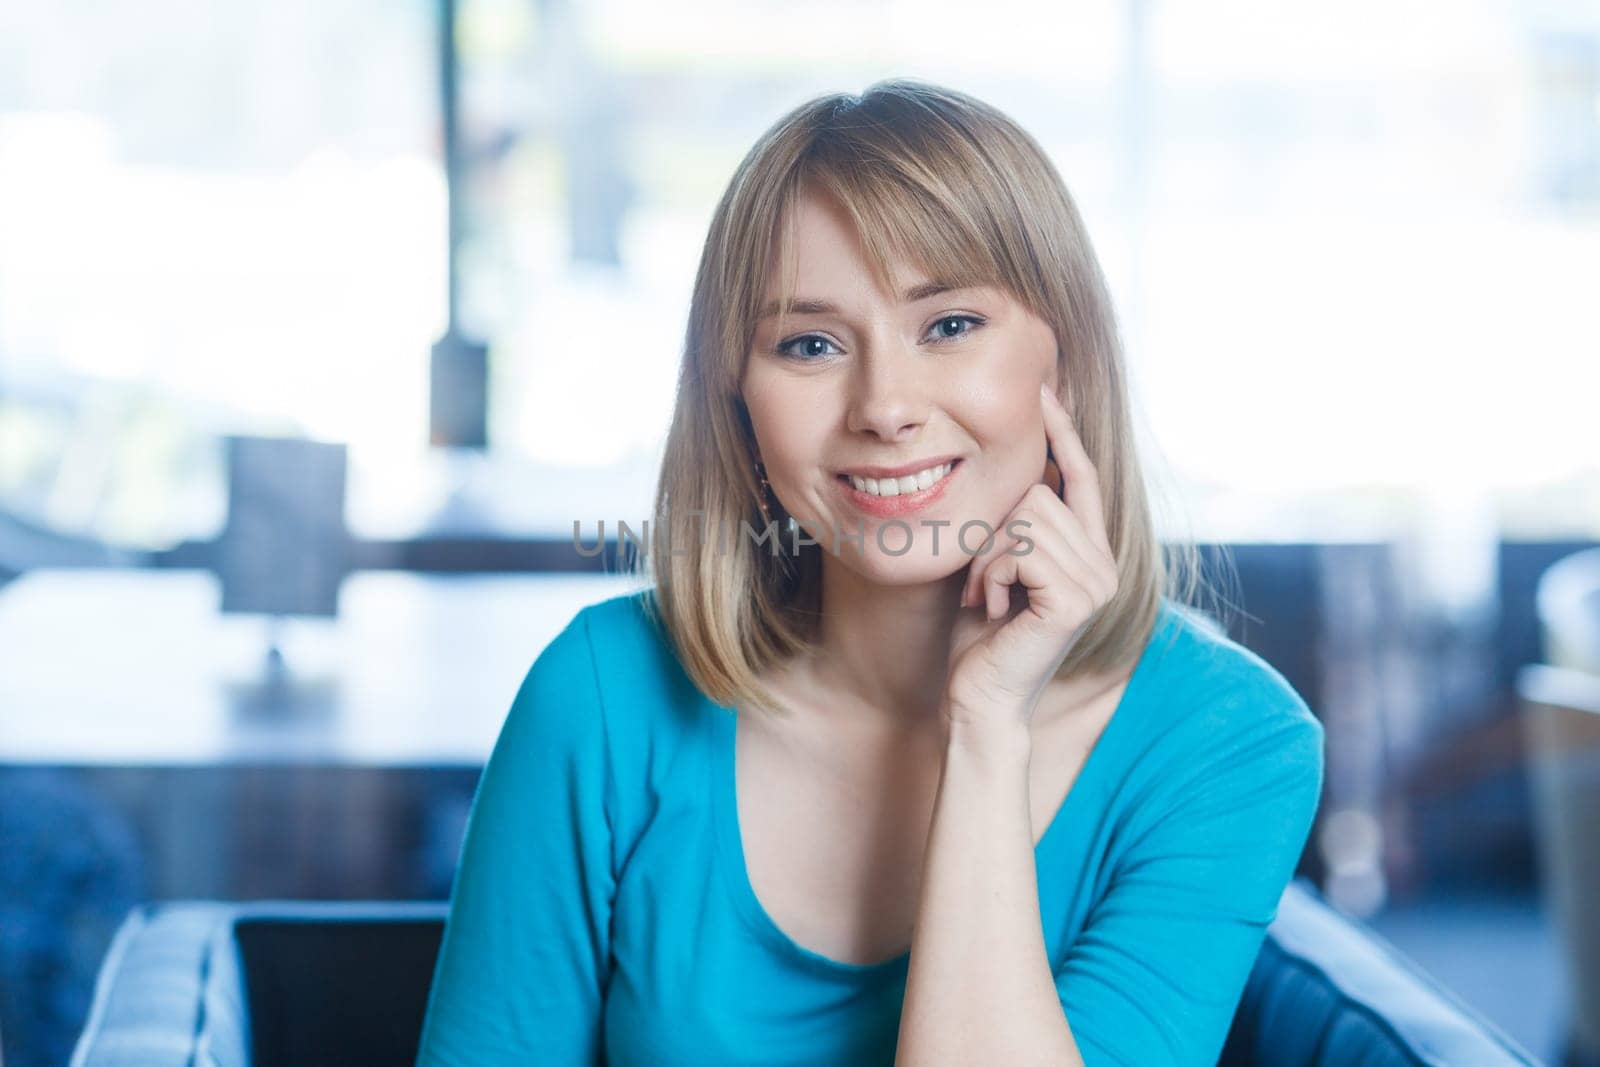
x,y
1350,246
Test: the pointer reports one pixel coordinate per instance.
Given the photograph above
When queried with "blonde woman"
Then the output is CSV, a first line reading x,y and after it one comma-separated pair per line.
x,y
911,752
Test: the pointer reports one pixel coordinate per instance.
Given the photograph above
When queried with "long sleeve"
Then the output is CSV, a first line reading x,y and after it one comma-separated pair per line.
x,y
524,960
1156,974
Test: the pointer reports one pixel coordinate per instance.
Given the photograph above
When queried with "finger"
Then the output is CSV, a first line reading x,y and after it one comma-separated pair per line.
x,y
1081,491
1046,583
1088,555
1054,521
1034,535
1055,531
1038,517
996,584
997,543
1025,521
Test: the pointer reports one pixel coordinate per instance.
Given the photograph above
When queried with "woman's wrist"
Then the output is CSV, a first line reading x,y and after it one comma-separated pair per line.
x,y
991,738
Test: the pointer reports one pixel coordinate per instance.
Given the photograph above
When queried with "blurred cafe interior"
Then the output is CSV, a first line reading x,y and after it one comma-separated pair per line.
x,y
322,325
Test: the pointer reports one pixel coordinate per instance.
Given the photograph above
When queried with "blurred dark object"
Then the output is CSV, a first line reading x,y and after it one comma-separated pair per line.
x,y
458,377
1560,701
347,984
1461,805
69,871
284,549
284,552
1561,717
1426,779
458,393
246,832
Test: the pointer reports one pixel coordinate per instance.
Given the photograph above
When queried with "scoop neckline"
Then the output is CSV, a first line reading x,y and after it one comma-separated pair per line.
x,y
729,841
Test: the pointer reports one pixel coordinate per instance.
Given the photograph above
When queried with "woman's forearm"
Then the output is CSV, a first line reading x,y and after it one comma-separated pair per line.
x,y
979,987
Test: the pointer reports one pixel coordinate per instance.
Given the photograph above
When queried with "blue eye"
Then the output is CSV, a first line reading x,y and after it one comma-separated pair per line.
x,y
785,348
973,320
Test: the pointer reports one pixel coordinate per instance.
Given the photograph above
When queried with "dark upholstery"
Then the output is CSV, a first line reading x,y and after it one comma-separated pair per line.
x,y
346,983
70,869
1326,991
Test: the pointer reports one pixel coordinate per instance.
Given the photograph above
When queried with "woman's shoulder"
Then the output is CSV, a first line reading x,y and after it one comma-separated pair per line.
x,y
625,635
634,673
1225,748
1213,694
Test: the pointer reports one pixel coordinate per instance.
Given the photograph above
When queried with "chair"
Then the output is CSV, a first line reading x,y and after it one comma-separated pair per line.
x,y
1560,704
1568,605
346,983
1561,726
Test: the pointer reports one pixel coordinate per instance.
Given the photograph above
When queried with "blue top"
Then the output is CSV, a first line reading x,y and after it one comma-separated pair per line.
x,y
602,912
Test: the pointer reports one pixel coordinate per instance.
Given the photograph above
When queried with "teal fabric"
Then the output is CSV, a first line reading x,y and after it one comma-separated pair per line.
x,y
602,912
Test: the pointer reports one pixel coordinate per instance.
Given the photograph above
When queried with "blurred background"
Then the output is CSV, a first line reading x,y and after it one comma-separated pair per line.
x,y
321,323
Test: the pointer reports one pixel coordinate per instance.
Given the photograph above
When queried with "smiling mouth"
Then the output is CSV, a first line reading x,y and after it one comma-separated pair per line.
x,y
888,501
888,488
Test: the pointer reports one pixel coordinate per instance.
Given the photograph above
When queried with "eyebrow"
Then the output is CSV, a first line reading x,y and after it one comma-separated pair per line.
x,y
823,307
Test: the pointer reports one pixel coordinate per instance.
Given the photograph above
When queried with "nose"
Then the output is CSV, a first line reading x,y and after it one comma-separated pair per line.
x,y
887,395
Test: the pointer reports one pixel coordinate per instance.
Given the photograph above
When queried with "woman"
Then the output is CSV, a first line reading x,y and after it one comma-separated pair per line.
x,y
872,786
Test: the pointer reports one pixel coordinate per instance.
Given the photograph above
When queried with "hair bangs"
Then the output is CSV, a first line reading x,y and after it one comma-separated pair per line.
x,y
903,227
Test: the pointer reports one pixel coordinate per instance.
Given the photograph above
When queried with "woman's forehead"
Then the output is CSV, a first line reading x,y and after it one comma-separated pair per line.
x,y
811,267
889,238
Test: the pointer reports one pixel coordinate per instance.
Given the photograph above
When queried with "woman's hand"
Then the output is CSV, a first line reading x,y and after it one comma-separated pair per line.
x,y
1005,651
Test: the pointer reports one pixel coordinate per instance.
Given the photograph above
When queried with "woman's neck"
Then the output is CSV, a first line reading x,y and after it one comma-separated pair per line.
x,y
884,650
883,659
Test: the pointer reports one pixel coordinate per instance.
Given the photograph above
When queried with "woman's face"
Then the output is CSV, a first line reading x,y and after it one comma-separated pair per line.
x,y
906,380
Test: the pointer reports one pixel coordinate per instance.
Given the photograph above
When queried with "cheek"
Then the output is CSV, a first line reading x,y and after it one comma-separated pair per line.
x,y
790,433
1003,411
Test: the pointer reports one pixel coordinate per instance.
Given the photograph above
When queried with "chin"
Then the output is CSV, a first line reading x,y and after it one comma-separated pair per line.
x,y
919,566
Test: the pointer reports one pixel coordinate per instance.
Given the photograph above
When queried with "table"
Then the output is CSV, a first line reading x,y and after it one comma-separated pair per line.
x,y
140,698
102,667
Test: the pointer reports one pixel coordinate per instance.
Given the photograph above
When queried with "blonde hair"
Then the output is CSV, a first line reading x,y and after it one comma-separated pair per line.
x,y
947,182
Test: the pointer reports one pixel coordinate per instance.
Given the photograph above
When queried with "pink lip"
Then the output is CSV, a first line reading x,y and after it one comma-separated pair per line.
x,y
914,467
890,507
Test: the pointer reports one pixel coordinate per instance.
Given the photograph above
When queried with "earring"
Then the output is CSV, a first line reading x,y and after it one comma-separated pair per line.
x,y
786,559
766,491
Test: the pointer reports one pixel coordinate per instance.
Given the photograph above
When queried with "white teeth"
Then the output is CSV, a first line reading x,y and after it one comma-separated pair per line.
x,y
911,483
